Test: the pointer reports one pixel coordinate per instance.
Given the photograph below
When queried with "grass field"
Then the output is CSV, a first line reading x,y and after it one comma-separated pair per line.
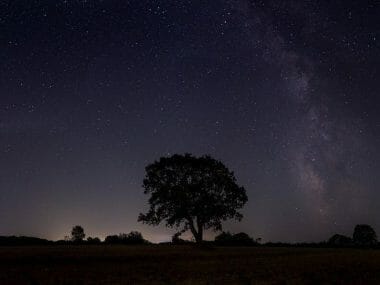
x,y
186,265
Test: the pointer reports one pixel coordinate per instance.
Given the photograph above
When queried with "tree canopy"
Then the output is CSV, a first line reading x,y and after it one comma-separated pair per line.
x,y
192,193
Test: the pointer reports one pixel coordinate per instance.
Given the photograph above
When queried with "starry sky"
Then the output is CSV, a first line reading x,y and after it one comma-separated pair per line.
x,y
285,93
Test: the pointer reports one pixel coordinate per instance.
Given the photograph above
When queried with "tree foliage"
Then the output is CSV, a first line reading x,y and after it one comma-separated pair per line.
x,y
192,193
77,234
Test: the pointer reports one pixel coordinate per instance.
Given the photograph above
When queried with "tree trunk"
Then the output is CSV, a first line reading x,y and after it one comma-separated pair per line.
x,y
200,230
198,234
199,238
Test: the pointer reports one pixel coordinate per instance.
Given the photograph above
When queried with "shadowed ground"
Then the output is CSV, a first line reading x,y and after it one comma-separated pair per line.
x,y
186,265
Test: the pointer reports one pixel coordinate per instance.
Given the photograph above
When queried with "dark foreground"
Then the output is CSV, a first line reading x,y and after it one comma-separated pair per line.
x,y
186,265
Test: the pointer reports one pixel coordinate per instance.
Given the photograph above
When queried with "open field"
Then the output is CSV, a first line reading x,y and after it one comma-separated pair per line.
x,y
186,265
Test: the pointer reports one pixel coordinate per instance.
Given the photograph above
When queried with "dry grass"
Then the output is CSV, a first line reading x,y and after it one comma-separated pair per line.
x,y
186,265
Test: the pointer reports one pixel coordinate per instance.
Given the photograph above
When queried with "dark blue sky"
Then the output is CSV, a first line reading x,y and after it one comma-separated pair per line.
x,y
285,93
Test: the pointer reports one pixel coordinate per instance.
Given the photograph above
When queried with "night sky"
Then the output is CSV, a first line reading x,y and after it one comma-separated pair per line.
x,y
285,93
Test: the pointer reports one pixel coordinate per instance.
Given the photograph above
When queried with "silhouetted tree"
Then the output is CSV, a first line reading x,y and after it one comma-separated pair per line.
x,y
364,235
77,234
339,240
135,237
191,193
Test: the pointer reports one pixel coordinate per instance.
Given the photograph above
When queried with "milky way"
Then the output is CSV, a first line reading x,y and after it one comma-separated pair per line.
x,y
286,93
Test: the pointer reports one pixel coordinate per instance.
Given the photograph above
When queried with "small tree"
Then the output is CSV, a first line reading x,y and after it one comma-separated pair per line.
x,y
364,235
77,234
135,237
192,193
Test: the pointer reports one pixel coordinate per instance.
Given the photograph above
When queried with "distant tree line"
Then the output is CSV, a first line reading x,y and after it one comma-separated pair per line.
x,y
364,236
78,237
23,240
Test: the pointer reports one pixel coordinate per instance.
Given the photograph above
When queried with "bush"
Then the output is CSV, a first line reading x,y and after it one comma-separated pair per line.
x,y
177,240
339,241
94,240
239,239
133,237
